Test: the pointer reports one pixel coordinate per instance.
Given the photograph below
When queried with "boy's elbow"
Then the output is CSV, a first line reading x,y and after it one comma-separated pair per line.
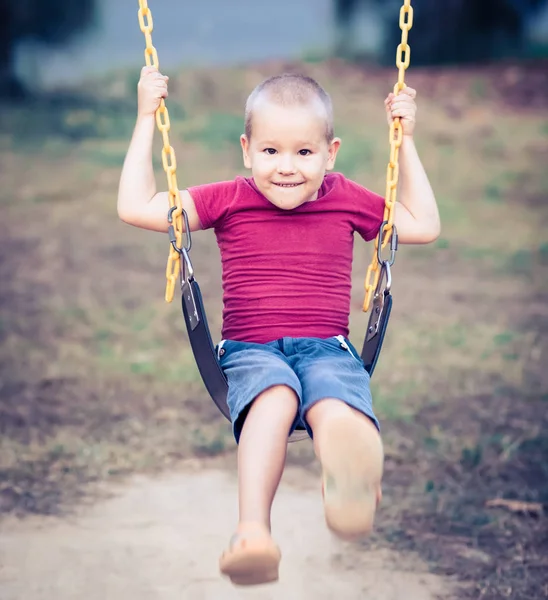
x,y
125,215
433,233
424,235
122,215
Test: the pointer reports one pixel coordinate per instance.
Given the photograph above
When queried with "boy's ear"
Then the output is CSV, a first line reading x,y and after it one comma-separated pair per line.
x,y
245,150
333,150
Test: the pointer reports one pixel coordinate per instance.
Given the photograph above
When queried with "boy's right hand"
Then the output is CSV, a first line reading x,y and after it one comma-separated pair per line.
x,y
151,89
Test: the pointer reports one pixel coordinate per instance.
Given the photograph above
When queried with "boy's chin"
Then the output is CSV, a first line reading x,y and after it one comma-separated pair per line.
x,y
286,203
288,199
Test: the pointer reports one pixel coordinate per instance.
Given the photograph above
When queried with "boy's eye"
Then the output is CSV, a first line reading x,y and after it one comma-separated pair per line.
x,y
270,150
305,152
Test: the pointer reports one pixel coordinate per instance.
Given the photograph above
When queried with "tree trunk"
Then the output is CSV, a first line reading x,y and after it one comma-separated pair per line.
x,y
344,14
10,86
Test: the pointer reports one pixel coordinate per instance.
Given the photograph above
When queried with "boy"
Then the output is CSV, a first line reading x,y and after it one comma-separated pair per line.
x,y
285,237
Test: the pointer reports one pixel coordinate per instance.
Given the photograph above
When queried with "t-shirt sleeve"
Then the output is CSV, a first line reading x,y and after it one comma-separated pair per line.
x,y
368,211
213,201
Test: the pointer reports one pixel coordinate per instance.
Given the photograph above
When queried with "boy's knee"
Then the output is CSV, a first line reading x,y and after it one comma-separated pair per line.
x,y
278,396
330,408
326,408
274,408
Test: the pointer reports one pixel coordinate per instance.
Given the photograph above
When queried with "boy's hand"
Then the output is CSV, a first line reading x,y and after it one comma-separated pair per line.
x,y
403,106
151,89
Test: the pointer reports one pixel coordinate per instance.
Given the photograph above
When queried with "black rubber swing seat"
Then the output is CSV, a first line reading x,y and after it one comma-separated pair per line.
x,y
202,345
204,350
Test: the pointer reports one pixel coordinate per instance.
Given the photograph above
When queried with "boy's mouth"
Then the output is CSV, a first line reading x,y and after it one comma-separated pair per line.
x,y
287,185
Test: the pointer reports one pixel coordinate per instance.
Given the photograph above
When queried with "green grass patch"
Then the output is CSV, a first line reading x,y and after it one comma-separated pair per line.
x,y
462,352
398,402
524,262
219,132
357,155
494,192
105,157
442,244
453,213
211,441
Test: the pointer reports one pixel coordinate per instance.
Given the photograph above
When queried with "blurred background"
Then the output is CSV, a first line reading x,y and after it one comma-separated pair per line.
x,y
36,35
96,378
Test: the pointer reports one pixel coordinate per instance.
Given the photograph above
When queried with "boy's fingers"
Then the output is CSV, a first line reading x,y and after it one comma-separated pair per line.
x,y
407,91
146,70
403,101
153,73
401,112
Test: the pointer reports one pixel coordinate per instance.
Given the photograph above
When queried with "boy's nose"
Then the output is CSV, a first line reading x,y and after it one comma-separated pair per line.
x,y
285,165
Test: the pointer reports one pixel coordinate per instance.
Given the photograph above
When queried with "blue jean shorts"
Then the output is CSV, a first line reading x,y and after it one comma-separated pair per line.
x,y
314,368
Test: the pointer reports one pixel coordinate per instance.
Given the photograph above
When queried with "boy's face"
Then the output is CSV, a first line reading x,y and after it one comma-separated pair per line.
x,y
288,152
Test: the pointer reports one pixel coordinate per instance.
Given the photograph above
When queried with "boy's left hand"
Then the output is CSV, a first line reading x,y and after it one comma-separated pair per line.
x,y
403,106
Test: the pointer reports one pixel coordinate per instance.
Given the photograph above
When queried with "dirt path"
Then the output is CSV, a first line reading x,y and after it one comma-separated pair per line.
x,y
160,539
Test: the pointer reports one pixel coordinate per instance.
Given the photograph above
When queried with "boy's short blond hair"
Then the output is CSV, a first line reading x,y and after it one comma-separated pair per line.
x,y
290,89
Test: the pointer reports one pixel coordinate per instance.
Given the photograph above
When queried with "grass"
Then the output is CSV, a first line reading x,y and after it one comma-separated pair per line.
x,y
97,379
220,131
357,154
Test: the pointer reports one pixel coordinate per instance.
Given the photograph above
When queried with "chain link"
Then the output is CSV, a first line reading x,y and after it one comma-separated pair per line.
x,y
169,160
403,57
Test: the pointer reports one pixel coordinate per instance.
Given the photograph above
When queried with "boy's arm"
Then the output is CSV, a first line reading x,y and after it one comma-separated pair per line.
x,y
416,214
138,202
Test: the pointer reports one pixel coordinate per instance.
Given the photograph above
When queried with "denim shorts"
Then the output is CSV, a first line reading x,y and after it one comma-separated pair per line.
x,y
314,368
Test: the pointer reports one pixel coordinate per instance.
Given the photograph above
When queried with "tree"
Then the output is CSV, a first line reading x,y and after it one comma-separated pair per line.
x,y
49,22
452,31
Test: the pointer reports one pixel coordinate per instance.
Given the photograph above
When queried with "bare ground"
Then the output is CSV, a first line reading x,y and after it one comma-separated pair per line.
x,y
161,538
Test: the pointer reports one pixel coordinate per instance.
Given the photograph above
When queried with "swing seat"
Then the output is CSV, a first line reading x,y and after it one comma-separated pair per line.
x,y
206,358
202,345
376,330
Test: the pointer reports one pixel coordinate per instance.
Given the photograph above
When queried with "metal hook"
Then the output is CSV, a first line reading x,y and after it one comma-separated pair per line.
x,y
171,231
393,244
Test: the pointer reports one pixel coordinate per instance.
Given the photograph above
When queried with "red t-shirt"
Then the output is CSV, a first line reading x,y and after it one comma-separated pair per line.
x,y
287,273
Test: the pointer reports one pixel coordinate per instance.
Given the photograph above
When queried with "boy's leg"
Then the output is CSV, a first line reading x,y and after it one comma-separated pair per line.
x,y
262,451
337,409
253,558
349,447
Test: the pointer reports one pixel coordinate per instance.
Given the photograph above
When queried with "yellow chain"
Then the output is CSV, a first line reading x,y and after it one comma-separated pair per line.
x,y
403,56
169,161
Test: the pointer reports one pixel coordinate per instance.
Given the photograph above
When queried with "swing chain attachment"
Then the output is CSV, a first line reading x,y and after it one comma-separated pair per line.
x,y
379,297
387,232
186,268
393,245
169,162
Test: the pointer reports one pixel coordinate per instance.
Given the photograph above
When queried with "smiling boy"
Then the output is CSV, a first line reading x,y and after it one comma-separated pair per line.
x,y
286,237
